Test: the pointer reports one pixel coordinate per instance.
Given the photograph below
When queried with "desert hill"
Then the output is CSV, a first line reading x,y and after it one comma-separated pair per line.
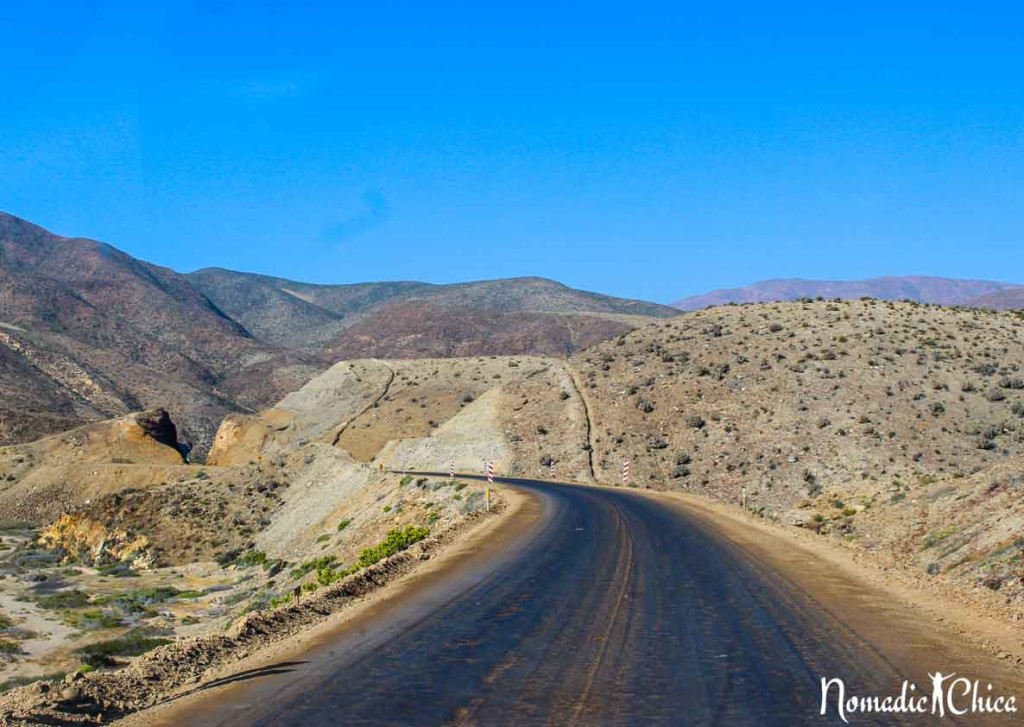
x,y
919,288
791,397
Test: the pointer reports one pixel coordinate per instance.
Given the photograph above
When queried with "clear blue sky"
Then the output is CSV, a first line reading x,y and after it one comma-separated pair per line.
x,y
643,149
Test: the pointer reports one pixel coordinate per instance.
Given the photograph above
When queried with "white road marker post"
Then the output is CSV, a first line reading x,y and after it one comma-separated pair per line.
x,y
744,492
627,476
451,470
490,481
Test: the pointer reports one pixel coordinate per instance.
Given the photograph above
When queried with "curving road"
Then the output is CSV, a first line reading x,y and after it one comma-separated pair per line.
x,y
610,607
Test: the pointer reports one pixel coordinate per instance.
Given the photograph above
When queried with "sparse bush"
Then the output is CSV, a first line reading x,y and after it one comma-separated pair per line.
x,y
995,395
64,600
656,441
134,643
396,541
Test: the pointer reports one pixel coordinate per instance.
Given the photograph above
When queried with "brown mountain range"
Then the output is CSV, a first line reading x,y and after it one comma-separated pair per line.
x,y
310,317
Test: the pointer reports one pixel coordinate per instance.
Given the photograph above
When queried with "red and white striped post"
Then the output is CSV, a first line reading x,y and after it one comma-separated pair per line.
x,y
451,470
490,481
551,472
627,476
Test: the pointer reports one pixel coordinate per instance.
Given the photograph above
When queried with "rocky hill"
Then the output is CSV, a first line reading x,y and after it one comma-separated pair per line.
x,y
791,397
920,289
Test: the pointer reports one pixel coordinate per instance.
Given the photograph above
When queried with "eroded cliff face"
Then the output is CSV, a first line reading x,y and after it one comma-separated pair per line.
x,y
80,539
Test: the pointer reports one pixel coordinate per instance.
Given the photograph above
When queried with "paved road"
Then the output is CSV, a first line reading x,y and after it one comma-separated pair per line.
x,y
611,609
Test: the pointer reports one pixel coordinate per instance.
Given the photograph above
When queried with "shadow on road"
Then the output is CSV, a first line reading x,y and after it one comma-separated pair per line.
x,y
283,667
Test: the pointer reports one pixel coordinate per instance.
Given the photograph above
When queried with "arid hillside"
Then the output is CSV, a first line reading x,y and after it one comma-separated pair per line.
x,y
111,544
88,332
418,320
428,330
788,398
301,315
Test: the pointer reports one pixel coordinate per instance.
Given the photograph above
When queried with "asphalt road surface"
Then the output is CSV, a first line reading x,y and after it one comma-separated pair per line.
x,y
611,608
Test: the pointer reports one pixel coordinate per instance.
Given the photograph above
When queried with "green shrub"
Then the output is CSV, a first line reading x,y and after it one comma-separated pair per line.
x,y
326,561
397,540
93,618
9,646
134,643
64,600
250,558
136,601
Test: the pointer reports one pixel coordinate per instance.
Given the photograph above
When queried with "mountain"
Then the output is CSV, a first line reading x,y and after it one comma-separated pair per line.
x,y
920,289
418,329
1006,299
88,332
300,315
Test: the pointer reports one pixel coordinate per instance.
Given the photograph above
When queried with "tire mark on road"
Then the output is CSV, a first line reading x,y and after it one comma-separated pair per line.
x,y
625,566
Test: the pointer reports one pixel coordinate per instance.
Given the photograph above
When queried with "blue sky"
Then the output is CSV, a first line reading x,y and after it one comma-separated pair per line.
x,y
642,149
